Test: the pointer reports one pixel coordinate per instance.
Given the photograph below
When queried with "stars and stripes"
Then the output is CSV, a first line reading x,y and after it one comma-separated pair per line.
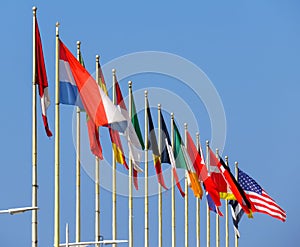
x,y
261,201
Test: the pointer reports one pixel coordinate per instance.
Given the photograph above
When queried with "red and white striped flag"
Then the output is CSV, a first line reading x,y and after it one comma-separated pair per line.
x,y
260,200
41,78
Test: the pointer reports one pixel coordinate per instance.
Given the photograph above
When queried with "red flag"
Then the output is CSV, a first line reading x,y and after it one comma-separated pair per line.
x,y
201,170
41,77
93,131
234,186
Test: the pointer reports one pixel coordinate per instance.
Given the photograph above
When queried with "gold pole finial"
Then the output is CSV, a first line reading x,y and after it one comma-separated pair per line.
x,y
185,126
226,159
172,115
146,93
197,135
97,58
207,143
34,9
158,106
130,84
113,71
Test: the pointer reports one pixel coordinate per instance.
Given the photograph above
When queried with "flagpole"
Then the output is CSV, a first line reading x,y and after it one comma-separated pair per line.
x,y
226,215
207,207
198,202
159,186
146,173
114,194
173,189
34,222
78,162
130,200
236,177
57,148
97,175
186,198
217,218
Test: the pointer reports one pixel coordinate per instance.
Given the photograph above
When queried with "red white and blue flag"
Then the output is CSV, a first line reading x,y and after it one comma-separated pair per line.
x,y
78,87
260,200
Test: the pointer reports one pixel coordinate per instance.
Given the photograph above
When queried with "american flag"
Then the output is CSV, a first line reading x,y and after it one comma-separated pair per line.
x,y
261,201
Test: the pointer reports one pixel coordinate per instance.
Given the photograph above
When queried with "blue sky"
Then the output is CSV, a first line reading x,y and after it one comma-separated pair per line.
x,y
248,50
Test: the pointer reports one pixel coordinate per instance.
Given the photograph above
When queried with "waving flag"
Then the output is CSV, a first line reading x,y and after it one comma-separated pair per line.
x,y
94,139
217,177
184,161
75,78
167,155
155,152
261,201
134,146
234,186
201,171
137,129
41,78
114,134
93,130
211,204
237,213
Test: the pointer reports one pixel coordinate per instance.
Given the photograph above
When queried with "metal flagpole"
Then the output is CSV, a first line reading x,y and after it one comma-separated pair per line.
x,y
78,161
173,189
226,216
34,139
97,174
114,185
57,149
186,198
217,218
130,200
159,186
198,202
146,173
207,207
236,177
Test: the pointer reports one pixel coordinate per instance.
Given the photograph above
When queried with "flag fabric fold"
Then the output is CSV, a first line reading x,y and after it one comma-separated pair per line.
x,y
137,129
201,171
154,147
259,198
167,155
94,139
237,213
93,130
217,177
73,76
134,145
114,134
183,161
233,185
41,78
208,183
211,204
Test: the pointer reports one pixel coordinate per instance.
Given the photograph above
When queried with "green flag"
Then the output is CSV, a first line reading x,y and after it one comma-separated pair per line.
x,y
135,123
178,153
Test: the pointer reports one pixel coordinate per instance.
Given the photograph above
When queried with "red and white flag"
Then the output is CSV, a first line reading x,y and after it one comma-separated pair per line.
x,y
41,78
